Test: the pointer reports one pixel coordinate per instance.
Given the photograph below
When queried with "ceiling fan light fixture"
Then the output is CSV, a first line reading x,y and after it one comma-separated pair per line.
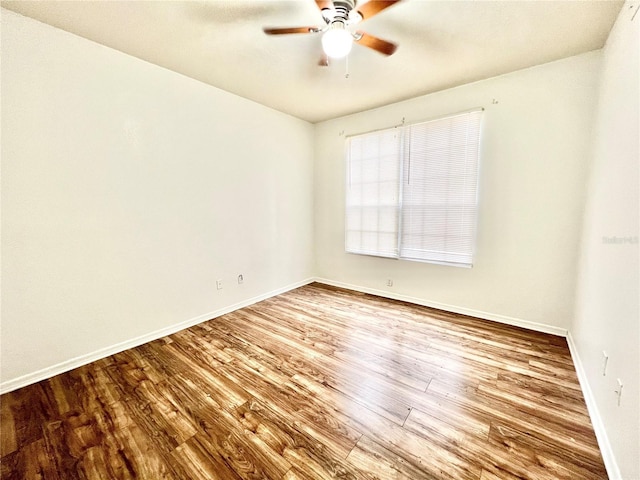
x,y
337,41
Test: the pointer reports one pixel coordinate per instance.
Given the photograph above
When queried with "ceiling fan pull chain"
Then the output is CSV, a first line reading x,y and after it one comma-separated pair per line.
x,y
346,68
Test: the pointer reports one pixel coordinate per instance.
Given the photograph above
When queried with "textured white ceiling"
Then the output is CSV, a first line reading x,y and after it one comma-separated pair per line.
x,y
441,44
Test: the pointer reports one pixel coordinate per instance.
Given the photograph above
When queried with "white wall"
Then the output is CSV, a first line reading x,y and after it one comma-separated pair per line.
x,y
607,314
127,190
534,157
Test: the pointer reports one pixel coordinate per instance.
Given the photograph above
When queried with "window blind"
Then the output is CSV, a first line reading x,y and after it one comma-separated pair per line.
x,y
439,192
373,198
412,191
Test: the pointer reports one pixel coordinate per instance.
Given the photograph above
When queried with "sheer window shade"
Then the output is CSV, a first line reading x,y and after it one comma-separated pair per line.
x,y
412,191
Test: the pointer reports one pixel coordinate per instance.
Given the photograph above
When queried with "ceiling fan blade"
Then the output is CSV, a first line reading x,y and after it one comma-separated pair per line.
x,y
285,30
322,4
372,7
375,43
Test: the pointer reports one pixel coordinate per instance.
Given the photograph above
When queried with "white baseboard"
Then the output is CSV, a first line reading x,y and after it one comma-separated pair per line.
x,y
538,327
28,379
596,420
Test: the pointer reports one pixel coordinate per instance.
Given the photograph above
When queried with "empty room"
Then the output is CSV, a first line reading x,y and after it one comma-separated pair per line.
x,y
318,239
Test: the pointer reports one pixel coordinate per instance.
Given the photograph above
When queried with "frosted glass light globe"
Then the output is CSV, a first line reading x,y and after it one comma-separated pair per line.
x,y
337,42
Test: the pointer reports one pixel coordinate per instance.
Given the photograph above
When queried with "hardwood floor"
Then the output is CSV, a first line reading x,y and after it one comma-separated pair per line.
x,y
316,383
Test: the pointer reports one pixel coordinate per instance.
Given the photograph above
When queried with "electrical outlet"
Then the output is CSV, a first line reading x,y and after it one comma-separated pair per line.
x,y
605,361
389,283
219,284
240,279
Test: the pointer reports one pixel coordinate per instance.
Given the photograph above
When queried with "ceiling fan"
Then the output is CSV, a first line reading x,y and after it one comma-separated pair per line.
x,y
337,39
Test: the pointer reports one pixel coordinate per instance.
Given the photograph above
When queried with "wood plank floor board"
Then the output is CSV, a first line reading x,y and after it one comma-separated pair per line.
x,y
532,449
416,449
388,394
313,419
300,447
536,385
578,438
407,372
8,429
567,419
381,462
198,459
316,383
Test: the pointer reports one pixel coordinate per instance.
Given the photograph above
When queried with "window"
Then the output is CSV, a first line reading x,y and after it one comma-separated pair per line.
x,y
412,191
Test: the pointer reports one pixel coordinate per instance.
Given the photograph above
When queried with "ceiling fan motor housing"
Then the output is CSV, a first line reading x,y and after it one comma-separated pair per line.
x,y
341,12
